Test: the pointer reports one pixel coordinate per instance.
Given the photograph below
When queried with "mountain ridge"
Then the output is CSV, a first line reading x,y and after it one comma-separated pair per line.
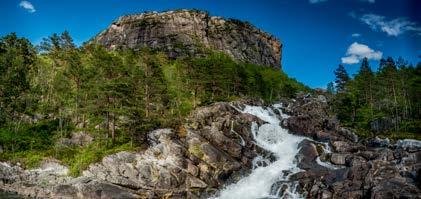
x,y
191,33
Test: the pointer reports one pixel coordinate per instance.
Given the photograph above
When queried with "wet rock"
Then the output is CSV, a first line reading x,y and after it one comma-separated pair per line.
x,y
193,182
409,144
307,155
338,158
379,142
365,168
395,189
346,147
310,117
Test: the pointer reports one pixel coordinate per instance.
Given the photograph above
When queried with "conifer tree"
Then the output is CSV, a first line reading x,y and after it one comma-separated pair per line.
x,y
342,78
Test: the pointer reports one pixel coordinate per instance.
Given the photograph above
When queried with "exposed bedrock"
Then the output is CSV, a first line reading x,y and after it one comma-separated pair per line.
x,y
191,33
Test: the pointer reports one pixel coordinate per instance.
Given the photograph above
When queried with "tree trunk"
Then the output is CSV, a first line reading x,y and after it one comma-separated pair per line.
x,y
396,108
107,125
113,128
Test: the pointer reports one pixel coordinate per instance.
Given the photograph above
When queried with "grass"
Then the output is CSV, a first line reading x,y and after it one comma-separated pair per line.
x,y
29,159
91,154
197,151
75,157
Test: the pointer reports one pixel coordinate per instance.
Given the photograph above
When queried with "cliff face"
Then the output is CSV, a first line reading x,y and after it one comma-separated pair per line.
x,y
188,32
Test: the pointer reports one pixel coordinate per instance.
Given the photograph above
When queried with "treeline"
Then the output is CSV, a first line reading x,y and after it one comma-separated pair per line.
x,y
385,102
51,90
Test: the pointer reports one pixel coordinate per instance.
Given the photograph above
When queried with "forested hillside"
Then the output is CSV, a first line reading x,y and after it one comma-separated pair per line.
x,y
386,102
54,92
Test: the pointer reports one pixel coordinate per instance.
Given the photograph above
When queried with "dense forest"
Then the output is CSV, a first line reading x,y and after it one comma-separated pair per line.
x,y
49,92
383,103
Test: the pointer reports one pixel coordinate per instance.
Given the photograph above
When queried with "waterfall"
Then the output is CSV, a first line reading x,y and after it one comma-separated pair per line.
x,y
268,179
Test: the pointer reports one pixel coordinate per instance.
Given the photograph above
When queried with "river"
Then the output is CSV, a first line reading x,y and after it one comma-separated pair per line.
x,y
268,179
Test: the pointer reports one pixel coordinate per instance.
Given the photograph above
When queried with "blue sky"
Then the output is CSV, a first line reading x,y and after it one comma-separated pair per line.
x,y
317,34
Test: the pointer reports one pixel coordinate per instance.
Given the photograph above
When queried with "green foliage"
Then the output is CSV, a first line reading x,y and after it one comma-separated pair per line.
x,y
342,78
115,96
17,56
85,156
390,94
17,137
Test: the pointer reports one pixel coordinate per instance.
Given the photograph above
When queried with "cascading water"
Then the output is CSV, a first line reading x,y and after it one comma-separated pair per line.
x,y
265,174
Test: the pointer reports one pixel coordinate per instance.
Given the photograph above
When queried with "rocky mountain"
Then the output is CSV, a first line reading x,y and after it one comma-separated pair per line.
x,y
191,32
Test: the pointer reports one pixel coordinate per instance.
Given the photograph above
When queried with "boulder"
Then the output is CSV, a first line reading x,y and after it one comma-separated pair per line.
x,y
378,142
310,117
338,158
77,139
409,144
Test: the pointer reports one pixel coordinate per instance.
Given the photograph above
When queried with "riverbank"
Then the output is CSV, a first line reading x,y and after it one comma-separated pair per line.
x,y
220,148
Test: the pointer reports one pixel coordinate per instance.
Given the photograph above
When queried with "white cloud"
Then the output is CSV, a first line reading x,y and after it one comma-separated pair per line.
x,y
356,52
28,6
356,35
316,1
392,27
369,1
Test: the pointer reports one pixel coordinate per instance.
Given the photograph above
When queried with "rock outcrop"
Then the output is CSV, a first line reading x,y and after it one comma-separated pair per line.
x,y
213,147
309,116
191,33
337,165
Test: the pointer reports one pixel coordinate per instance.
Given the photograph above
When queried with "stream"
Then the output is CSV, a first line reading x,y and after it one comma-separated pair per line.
x,y
268,179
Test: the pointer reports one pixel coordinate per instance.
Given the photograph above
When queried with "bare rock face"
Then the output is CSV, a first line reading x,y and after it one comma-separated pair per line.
x,y
310,117
343,165
214,146
189,33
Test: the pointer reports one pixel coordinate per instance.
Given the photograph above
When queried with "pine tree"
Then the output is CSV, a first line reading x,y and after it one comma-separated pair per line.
x,y
342,78
17,58
330,88
364,81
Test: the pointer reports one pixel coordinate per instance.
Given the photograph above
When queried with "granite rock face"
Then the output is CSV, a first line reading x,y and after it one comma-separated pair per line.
x,y
214,146
336,164
309,116
189,32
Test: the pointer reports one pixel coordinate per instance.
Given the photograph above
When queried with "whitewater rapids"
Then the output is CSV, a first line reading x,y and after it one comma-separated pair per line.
x,y
265,174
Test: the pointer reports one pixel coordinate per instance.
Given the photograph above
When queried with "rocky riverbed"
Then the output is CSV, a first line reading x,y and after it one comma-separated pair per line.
x,y
337,164
216,147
